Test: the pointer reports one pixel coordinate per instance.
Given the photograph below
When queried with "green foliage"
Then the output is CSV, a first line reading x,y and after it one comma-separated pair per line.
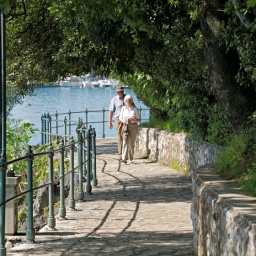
x,y
251,3
168,125
238,160
154,46
6,5
19,133
248,181
22,214
40,164
175,164
236,36
45,212
219,129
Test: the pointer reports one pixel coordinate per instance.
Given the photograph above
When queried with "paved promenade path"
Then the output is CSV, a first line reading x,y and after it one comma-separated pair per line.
x,y
141,208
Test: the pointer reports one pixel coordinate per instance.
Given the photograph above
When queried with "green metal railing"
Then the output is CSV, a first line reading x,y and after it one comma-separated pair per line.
x,y
86,166
54,124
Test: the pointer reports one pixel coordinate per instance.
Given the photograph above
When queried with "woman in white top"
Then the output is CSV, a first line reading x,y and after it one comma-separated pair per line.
x,y
130,117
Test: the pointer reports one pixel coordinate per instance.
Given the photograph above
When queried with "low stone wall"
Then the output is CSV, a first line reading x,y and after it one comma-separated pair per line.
x,y
223,216
170,149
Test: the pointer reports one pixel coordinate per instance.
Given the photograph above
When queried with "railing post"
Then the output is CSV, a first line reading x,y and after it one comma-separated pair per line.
x,y
86,118
65,130
69,122
47,128
51,219
84,151
50,129
57,123
62,209
103,131
89,162
80,195
42,130
94,176
3,164
30,232
65,134
3,168
78,130
71,191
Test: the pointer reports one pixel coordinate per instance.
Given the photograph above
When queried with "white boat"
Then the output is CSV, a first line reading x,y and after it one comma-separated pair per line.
x,y
95,84
86,83
105,83
57,83
71,81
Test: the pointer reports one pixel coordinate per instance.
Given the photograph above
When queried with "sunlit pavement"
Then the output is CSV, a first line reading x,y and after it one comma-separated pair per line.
x,y
141,208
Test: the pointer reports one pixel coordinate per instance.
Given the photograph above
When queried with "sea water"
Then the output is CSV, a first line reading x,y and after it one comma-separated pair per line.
x,y
62,100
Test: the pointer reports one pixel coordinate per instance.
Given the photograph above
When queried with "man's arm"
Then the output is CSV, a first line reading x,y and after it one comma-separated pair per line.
x,y
110,116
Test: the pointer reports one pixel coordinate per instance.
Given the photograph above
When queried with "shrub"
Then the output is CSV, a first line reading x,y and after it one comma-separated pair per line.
x,y
238,160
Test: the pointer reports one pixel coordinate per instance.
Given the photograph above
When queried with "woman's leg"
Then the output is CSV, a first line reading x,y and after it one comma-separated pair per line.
x,y
131,140
119,138
125,149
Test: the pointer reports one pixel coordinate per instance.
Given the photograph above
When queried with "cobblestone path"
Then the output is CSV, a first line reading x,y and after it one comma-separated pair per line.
x,y
141,208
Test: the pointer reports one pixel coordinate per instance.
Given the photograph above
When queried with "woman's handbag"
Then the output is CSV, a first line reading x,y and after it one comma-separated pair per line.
x,y
125,132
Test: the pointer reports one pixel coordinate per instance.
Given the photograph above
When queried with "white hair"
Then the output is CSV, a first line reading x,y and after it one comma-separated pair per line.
x,y
127,97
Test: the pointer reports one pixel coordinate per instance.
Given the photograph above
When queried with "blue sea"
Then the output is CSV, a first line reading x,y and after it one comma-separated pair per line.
x,y
61,100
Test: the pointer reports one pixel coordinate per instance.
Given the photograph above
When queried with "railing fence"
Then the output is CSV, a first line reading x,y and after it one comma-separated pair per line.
x,y
85,144
82,138
62,123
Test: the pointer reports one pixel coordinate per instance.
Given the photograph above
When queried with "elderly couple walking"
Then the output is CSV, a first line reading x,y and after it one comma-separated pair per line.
x,y
126,116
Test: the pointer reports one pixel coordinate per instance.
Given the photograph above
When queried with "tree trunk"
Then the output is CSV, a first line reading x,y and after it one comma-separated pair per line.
x,y
236,102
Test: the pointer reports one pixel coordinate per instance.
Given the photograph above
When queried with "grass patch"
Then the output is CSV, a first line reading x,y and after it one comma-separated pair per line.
x,y
152,160
248,182
163,125
175,164
238,161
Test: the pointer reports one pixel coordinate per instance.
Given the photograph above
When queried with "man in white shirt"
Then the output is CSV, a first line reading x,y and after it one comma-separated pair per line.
x,y
115,107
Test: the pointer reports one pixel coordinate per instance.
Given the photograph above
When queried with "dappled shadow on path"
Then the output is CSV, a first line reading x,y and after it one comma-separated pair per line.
x,y
128,243
136,210
107,148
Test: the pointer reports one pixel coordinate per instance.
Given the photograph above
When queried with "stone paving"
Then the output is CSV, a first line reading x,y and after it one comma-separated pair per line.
x,y
141,208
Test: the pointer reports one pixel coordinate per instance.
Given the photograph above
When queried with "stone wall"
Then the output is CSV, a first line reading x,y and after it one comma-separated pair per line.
x,y
170,148
223,217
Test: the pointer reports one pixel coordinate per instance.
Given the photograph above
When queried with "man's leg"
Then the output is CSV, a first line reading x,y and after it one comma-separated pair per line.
x,y
119,139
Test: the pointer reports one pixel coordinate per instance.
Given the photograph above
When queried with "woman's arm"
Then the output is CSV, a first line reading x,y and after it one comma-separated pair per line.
x,y
121,115
136,117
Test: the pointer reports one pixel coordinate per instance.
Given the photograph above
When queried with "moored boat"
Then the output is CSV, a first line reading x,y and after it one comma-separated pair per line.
x,y
95,84
105,83
71,81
